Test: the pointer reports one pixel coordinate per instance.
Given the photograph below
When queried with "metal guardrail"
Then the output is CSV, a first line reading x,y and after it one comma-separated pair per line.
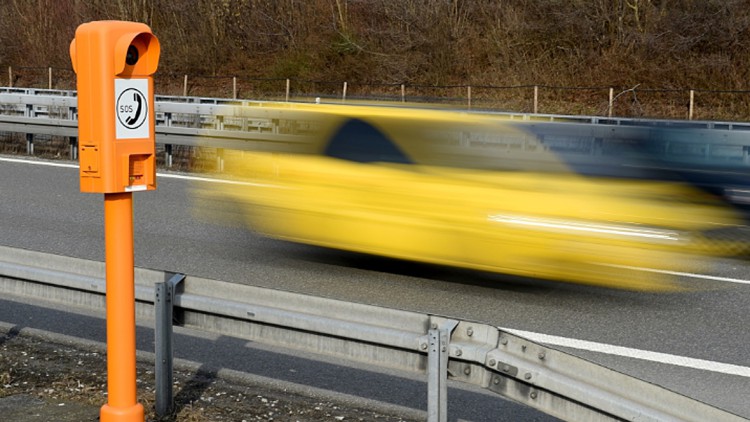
x,y
549,380
245,125
188,121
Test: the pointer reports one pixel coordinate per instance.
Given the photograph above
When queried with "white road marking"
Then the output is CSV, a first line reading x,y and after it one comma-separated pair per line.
x,y
681,274
706,365
166,175
208,179
39,163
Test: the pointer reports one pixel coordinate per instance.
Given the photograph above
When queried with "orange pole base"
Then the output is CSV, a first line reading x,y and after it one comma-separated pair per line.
x,y
121,414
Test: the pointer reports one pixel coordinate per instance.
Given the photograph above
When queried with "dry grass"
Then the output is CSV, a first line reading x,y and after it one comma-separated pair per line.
x,y
378,45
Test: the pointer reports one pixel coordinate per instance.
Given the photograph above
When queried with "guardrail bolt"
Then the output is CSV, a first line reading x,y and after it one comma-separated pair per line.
x,y
533,394
467,370
504,341
496,381
458,352
527,375
492,362
470,332
542,355
506,368
423,346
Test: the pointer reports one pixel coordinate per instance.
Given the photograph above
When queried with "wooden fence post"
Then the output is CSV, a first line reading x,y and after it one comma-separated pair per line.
x,y
234,87
184,87
468,94
692,104
50,78
611,101
10,77
287,90
536,99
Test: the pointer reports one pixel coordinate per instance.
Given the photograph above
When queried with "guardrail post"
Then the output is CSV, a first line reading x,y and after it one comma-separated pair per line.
x,y
30,136
168,155
220,159
437,371
163,302
73,148
168,158
30,143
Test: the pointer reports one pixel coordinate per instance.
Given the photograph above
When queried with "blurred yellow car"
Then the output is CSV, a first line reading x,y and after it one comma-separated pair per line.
x,y
370,196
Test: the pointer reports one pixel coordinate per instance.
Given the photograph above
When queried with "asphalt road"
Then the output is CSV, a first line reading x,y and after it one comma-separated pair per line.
x,y
695,343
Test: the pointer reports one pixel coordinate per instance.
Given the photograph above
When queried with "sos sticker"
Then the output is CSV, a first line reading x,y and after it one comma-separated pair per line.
x,y
131,109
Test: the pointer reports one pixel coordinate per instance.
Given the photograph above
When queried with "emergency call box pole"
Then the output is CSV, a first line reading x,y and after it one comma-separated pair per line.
x,y
114,62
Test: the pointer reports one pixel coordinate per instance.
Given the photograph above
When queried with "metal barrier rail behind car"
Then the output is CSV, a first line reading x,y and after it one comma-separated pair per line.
x,y
252,125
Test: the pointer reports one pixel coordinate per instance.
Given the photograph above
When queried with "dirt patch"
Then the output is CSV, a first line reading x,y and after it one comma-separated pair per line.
x,y
67,378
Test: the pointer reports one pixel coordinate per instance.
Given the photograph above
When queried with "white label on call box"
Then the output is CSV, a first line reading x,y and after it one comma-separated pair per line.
x,y
131,109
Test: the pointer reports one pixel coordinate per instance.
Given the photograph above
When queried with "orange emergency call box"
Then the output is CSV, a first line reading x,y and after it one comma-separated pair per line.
x,y
114,62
